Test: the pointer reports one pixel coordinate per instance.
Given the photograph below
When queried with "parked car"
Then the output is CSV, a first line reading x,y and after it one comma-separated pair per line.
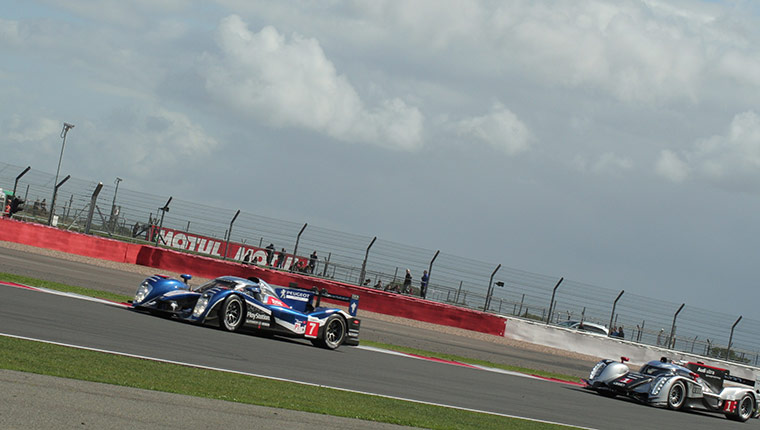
x,y
233,303
677,386
585,326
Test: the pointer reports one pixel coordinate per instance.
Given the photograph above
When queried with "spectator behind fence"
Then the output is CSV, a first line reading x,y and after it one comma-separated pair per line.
x,y
247,258
270,253
407,282
379,285
312,261
281,259
424,283
621,333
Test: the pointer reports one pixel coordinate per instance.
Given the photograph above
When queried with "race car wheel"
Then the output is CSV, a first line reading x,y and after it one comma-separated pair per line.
x,y
744,409
232,313
335,332
676,395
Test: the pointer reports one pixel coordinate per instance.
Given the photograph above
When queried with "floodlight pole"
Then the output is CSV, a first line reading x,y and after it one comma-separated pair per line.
x,y
64,132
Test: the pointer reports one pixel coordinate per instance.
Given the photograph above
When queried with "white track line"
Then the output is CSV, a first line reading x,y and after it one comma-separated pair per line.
x,y
273,378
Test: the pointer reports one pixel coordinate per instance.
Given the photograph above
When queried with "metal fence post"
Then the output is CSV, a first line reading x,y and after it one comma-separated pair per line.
x,y
163,210
490,289
229,234
673,327
55,191
363,273
93,201
731,338
423,290
19,177
295,249
551,303
614,304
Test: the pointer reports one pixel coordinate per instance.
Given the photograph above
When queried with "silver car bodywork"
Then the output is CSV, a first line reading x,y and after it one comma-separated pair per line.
x,y
676,386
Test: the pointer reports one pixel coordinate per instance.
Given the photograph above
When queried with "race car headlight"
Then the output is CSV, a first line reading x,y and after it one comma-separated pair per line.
x,y
597,370
200,306
142,291
658,386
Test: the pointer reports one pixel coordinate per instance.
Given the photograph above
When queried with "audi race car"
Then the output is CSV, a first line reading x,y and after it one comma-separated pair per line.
x,y
678,386
233,303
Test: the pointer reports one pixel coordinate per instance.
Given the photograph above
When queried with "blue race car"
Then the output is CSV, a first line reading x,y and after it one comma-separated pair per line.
x,y
234,303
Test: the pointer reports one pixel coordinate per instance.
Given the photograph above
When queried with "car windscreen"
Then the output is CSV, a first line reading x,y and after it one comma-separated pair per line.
x,y
654,370
216,283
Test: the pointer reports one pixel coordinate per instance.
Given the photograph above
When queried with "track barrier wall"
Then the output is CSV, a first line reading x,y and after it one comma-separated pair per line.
x,y
371,300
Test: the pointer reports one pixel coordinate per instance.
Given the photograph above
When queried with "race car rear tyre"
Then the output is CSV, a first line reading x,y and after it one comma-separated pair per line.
x,y
676,395
232,313
744,409
335,332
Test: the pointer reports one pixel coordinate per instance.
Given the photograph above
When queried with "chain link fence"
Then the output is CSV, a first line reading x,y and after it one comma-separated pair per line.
x,y
130,215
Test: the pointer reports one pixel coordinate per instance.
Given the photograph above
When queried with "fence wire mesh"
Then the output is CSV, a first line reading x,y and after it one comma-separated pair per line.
x,y
127,214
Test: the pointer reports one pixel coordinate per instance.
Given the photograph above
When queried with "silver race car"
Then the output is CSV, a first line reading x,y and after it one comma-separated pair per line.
x,y
678,386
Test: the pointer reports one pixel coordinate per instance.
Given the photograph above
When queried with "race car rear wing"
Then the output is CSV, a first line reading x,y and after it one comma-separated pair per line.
x,y
715,376
353,300
306,300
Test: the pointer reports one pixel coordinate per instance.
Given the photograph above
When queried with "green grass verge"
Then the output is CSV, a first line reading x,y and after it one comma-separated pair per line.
x,y
9,277
54,360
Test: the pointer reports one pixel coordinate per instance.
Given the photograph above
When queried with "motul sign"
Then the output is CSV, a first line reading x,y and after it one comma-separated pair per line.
x,y
210,246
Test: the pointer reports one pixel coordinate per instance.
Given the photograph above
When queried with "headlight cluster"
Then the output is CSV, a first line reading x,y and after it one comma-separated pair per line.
x,y
142,291
200,306
658,386
597,369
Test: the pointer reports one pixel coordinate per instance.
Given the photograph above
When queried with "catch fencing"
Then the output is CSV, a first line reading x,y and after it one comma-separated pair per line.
x,y
116,211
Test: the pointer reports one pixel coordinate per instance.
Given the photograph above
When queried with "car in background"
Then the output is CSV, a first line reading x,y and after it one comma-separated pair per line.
x,y
233,303
678,386
585,326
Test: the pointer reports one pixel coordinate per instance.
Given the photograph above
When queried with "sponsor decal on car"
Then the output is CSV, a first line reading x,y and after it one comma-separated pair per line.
x,y
300,296
255,316
276,302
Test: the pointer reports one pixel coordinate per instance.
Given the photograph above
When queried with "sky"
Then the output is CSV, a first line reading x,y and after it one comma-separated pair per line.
x,y
615,143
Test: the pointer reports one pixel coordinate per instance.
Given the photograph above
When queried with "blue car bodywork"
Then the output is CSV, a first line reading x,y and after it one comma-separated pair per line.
x,y
234,303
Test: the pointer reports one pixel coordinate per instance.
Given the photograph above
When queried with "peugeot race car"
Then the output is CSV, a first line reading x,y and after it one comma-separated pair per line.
x,y
234,303
678,386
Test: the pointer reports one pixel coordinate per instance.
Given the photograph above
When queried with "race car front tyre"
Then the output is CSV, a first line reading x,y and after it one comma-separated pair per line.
x,y
744,409
232,313
676,395
334,333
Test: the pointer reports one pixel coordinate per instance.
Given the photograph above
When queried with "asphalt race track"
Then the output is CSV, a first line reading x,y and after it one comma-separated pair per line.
x,y
67,320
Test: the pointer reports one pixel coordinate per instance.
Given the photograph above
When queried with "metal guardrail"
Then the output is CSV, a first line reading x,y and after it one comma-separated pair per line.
x,y
126,214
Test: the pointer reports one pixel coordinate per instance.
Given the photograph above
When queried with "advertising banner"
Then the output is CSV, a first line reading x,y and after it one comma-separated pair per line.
x,y
216,247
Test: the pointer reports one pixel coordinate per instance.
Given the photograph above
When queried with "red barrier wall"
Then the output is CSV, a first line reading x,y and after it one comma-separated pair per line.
x,y
164,259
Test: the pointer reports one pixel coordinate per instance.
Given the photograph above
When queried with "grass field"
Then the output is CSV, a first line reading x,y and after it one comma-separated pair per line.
x,y
54,360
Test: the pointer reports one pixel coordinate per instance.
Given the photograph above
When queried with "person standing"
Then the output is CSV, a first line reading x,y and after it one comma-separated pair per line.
x,y
281,259
407,282
313,261
424,283
270,253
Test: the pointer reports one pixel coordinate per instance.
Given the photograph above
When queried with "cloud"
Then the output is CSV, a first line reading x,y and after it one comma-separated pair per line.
x,y
25,130
291,82
612,163
671,167
730,160
500,128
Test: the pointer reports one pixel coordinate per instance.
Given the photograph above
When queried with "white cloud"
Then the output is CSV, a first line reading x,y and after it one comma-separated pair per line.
x,y
291,82
671,167
500,128
612,163
24,130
